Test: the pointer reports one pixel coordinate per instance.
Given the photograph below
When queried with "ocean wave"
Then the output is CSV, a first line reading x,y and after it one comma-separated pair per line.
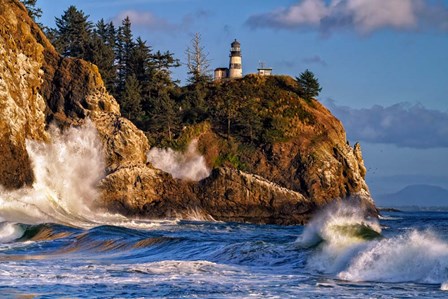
x,y
10,232
352,248
67,173
413,257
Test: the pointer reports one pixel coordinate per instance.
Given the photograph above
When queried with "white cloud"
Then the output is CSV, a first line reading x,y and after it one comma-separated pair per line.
x,y
145,18
363,16
370,15
306,12
404,125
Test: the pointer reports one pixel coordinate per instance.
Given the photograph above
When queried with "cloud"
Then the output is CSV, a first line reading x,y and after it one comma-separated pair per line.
x,y
147,19
316,59
363,16
403,125
150,21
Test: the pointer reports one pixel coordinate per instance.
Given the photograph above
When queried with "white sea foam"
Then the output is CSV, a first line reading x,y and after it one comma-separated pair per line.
x,y
67,173
444,286
346,251
412,257
10,232
189,165
341,230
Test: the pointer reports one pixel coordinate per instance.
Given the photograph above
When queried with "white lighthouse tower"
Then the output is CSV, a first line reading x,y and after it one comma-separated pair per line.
x,y
235,67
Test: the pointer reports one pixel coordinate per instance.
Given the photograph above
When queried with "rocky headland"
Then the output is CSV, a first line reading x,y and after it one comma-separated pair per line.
x,y
275,180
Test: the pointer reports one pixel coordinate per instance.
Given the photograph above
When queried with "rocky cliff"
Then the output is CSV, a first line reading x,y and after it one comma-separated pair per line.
x,y
282,182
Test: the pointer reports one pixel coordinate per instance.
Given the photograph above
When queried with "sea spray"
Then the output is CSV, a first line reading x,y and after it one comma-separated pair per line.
x,y
338,230
412,257
351,247
67,172
341,222
189,165
10,232
444,286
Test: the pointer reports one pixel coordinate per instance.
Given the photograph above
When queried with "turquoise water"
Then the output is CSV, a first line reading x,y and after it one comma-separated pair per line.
x,y
338,255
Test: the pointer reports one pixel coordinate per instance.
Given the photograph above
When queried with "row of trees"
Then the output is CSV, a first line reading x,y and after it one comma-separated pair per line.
x,y
140,78
137,76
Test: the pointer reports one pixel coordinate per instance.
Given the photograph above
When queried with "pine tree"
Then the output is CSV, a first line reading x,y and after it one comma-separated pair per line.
x,y
140,61
162,64
34,12
124,48
309,86
164,116
101,52
130,99
248,119
73,33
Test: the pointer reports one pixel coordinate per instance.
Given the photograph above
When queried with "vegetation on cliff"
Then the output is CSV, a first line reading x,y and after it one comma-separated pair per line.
x,y
253,110
277,156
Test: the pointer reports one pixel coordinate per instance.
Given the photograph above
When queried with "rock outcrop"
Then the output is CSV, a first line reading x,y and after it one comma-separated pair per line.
x,y
284,182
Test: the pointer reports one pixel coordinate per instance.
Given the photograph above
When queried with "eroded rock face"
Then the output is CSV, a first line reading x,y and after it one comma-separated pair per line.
x,y
39,87
316,161
232,195
124,144
226,195
22,107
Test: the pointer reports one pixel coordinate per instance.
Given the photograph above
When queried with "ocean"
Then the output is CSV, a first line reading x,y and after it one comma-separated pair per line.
x,y
54,243
339,254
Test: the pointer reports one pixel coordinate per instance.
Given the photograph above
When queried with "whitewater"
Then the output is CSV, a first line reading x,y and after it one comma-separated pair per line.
x,y
55,242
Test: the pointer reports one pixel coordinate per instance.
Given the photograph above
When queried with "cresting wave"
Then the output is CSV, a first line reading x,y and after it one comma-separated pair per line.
x,y
352,248
67,173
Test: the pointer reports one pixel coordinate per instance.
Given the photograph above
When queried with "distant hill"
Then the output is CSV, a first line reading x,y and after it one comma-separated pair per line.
x,y
415,195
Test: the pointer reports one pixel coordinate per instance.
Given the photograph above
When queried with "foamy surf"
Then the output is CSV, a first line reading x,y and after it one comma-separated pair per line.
x,y
353,249
67,173
413,257
225,260
444,286
10,232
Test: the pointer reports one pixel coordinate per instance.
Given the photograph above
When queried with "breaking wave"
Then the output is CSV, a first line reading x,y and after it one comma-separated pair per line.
x,y
412,257
10,232
353,248
67,173
189,165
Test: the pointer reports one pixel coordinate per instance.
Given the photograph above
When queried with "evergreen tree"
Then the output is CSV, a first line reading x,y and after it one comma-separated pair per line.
x,y
309,86
164,116
73,33
162,64
140,61
248,119
124,50
130,99
101,52
197,61
34,12
227,104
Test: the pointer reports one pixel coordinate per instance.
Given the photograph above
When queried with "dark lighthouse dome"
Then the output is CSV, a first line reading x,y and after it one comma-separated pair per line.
x,y
235,44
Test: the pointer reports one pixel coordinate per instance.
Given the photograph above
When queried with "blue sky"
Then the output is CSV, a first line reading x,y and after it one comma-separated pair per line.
x,y
383,64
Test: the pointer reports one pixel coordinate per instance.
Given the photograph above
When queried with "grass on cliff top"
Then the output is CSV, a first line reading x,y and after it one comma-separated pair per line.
x,y
247,113
256,109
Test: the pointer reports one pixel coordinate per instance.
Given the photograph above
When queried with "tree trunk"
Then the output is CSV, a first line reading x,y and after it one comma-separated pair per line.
x,y
228,127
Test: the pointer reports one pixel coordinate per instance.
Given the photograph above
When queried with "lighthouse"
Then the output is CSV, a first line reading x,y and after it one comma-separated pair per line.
x,y
235,68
